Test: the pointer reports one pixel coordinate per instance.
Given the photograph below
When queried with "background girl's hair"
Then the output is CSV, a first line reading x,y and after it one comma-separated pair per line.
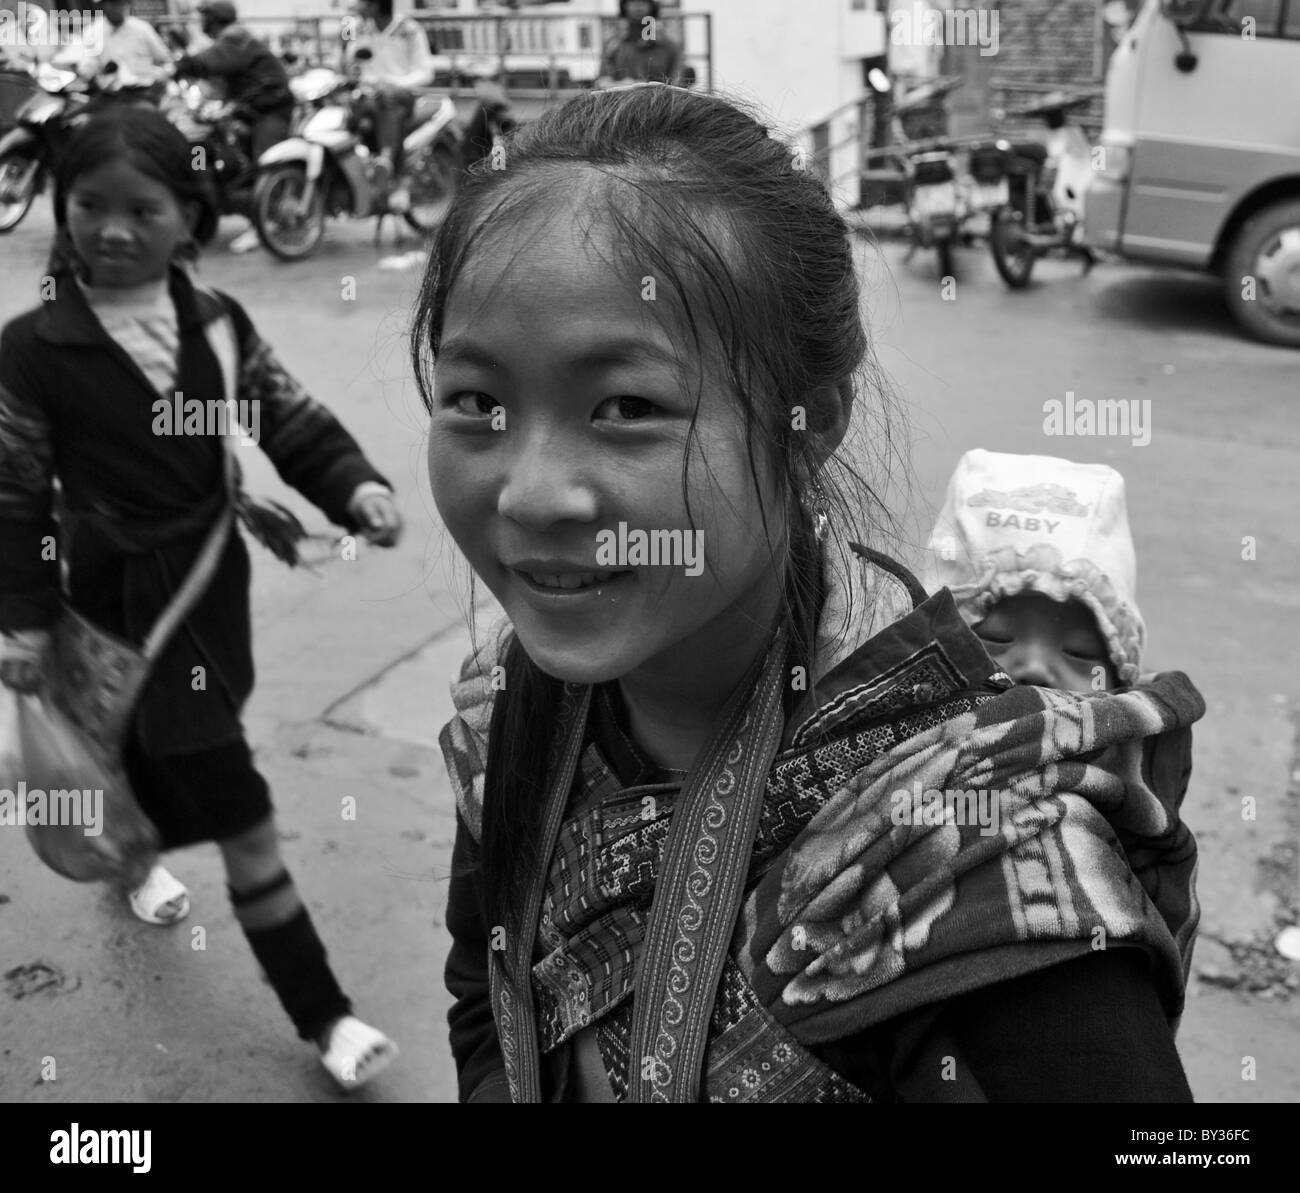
x,y
150,143
757,267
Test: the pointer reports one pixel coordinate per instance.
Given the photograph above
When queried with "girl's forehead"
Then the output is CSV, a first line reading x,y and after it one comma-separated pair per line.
x,y
555,269
117,176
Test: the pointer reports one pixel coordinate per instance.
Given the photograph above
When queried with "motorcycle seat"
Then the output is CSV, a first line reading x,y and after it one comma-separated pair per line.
x,y
1035,151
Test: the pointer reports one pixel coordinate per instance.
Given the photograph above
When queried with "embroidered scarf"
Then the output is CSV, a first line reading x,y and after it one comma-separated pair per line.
x,y
925,829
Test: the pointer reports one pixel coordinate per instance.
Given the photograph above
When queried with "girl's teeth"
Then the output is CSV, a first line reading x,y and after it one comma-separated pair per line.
x,y
570,581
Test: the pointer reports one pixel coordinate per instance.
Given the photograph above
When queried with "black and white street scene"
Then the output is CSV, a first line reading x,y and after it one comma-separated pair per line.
x,y
617,551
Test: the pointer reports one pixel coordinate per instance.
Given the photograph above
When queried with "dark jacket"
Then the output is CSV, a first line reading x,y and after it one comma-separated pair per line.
x,y
255,78
75,407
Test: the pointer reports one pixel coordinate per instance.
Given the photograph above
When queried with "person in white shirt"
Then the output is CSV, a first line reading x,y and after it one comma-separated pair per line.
x,y
399,59
134,45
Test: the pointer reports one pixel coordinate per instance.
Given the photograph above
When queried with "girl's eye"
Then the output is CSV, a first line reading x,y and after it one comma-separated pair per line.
x,y
627,408
992,638
473,403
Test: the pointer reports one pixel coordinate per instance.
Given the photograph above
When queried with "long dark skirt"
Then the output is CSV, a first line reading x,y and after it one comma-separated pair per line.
x,y
211,795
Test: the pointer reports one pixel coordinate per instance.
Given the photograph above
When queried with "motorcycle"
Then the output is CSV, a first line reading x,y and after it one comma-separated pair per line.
x,y
216,127
1046,184
921,175
63,100
328,169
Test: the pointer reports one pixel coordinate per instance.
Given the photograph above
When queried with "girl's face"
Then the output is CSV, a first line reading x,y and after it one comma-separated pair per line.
x,y
555,453
1051,644
125,225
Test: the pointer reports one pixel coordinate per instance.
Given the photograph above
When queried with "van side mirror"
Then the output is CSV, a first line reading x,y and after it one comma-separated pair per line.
x,y
1184,14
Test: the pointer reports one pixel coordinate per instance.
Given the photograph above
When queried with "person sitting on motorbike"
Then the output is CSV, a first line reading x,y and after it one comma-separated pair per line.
x,y
256,83
398,60
137,54
644,52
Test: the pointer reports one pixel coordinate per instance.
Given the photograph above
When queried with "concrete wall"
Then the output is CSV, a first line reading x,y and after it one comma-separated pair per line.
x,y
798,59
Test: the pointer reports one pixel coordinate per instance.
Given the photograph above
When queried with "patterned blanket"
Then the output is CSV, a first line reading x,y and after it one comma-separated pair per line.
x,y
926,829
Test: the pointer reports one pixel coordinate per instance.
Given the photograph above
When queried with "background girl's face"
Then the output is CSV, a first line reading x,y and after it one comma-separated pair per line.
x,y
1052,644
124,225
560,412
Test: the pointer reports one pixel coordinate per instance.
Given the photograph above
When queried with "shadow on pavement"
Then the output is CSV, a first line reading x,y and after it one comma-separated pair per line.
x,y
1164,301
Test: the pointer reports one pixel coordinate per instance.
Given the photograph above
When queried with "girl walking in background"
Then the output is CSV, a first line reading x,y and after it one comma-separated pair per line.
x,y
80,378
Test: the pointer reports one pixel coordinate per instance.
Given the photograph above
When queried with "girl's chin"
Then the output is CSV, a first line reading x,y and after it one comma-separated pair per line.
x,y
580,659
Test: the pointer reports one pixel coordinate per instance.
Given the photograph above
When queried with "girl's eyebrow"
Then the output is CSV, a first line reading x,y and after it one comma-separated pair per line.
x,y
592,357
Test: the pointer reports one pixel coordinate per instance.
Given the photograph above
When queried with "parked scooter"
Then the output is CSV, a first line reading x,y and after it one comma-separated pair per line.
x,y
1046,184
328,170
921,175
62,101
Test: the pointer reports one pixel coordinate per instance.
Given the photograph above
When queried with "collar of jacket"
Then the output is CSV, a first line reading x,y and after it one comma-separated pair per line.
x,y
68,319
876,619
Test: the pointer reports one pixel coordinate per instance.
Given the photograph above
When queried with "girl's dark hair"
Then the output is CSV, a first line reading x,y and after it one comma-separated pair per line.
x,y
759,270
150,143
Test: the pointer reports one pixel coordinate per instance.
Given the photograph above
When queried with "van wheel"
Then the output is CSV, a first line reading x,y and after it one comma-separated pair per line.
x,y
1262,274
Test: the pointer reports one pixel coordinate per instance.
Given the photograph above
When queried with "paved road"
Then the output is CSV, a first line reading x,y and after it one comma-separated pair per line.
x,y
353,665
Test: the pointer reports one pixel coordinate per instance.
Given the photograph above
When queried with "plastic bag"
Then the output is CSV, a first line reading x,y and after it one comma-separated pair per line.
x,y
82,819
11,752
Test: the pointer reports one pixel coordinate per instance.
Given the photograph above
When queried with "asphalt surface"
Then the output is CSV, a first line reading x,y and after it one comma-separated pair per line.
x,y
354,663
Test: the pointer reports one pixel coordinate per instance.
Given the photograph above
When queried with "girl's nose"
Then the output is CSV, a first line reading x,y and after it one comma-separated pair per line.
x,y
113,231
543,487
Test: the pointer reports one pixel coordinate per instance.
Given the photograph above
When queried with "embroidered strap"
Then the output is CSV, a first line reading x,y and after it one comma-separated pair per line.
x,y
510,970
699,890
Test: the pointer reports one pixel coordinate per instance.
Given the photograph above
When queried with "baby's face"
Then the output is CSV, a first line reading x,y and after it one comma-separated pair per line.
x,y
1050,644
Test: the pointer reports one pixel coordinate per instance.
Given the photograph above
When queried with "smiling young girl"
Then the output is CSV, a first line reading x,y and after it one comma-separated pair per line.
x,y
680,872
80,380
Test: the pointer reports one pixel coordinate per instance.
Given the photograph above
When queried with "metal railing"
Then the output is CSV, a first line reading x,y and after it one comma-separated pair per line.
x,y
835,146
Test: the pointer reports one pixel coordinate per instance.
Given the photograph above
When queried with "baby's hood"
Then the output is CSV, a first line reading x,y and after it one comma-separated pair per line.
x,y
1013,523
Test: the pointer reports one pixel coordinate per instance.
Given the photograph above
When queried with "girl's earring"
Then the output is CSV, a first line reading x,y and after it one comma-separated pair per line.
x,y
818,510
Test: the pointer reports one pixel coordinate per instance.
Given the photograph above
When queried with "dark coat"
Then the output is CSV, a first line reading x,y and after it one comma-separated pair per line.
x,y
74,407
255,78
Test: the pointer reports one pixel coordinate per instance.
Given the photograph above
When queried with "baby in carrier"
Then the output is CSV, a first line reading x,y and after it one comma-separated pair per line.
x,y
1039,558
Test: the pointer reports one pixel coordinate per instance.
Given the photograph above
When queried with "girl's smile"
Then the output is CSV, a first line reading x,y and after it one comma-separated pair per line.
x,y
562,409
124,224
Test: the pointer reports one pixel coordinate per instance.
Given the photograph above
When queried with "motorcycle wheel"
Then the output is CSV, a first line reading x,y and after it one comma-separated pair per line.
x,y
14,210
435,176
1013,258
287,232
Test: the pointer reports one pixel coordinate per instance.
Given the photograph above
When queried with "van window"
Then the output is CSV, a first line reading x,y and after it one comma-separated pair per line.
x,y
1229,16
1291,26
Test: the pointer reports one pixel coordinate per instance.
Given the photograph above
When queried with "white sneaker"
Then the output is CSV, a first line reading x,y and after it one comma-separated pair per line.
x,y
246,241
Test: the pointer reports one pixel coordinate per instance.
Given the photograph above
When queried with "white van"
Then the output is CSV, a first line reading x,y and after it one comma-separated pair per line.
x,y
1201,152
